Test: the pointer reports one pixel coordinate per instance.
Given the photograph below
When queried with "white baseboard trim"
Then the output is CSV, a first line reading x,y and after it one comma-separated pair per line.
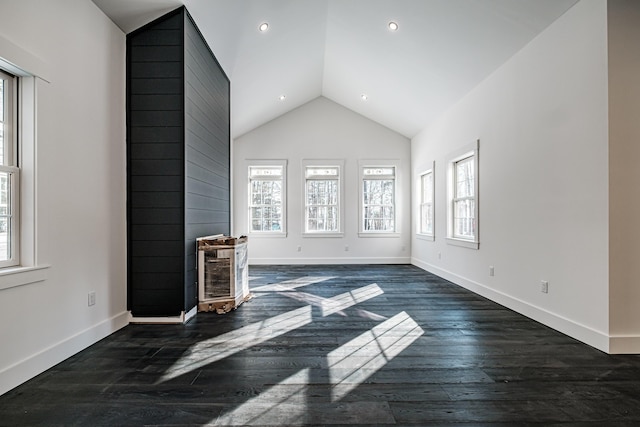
x,y
191,314
35,364
168,320
182,318
568,327
318,261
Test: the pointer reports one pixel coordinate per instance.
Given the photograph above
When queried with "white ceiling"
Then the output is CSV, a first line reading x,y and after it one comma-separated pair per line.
x,y
341,49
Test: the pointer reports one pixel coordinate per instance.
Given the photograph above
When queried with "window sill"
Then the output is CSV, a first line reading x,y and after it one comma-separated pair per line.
x,y
386,235
463,243
428,237
268,234
330,235
12,277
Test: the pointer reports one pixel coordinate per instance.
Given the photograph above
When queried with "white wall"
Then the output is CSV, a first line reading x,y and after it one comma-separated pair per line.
x,y
321,129
80,184
624,174
542,124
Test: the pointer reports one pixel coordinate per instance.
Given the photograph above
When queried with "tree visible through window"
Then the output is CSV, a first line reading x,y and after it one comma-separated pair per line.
x,y
378,199
426,203
464,221
266,198
322,199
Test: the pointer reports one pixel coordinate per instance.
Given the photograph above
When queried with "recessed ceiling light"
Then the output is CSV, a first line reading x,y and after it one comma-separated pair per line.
x,y
282,97
263,27
393,26
364,97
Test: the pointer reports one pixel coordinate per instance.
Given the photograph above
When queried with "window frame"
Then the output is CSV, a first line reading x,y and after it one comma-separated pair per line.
x,y
32,74
378,164
283,205
422,204
471,151
10,167
323,163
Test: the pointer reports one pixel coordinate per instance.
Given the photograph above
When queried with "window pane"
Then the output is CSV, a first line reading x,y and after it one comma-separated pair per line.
x,y
426,218
464,178
267,171
266,198
322,202
313,172
378,202
427,187
464,218
322,198
5,215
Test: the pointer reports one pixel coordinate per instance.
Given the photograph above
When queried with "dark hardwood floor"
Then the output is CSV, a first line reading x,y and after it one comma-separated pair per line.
x,y
337,345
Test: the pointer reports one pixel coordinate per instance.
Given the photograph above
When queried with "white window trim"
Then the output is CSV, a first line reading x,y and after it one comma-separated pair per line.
x,y
378,163
339,163
264,162
29,271
430,169
464,152
12,169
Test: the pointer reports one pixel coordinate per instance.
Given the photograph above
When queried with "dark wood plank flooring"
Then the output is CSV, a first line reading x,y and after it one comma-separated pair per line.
x,y
337,345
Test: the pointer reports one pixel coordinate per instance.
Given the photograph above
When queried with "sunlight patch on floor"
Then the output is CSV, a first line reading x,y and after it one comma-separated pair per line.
x,y
230,343
225,345
292,284
338,303
355,361
273,407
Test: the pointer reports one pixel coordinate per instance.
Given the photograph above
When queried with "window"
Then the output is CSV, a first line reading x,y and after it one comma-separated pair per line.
x,y
464,201
463,193
9,172
322,195
426,199
267,194
378,213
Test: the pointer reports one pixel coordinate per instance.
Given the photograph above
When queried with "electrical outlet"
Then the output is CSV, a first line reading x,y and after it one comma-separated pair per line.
x,y
299,248
544,286
439,255
346,248
491,270
91,299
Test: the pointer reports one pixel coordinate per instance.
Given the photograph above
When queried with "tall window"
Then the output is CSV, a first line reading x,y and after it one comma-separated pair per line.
x,y
464,199
463,193
267,198
9,173
379,199
426,225
322,198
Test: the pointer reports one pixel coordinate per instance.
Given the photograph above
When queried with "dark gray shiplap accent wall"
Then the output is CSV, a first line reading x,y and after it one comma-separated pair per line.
x,y
207,139
177,161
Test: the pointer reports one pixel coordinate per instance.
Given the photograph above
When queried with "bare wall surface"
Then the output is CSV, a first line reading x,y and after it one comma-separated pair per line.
x,y
321,129
542,124
80,186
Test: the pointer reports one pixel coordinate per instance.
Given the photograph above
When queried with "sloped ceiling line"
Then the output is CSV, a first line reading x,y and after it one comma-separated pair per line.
x,y
342,48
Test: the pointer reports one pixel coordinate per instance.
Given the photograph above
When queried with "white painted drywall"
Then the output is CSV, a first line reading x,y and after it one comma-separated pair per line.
x,y
80,185
542,124
321,129
624,174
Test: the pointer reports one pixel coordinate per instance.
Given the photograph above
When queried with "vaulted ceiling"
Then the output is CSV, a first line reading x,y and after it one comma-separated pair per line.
x,y
342,49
